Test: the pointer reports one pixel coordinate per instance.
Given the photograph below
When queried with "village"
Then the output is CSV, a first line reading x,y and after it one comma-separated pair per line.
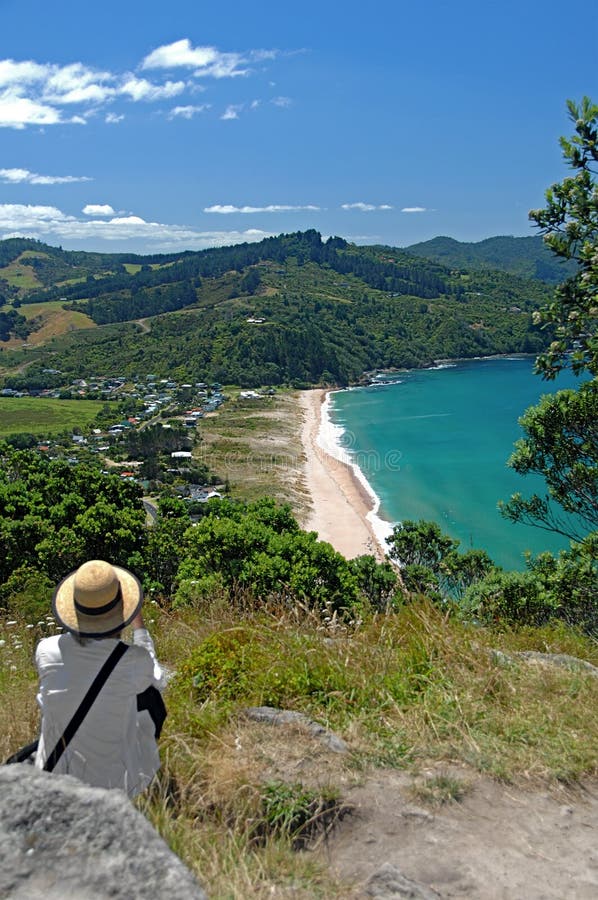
x,y
146,431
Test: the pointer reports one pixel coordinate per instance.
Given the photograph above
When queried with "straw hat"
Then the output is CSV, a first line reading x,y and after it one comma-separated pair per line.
x,y
97,599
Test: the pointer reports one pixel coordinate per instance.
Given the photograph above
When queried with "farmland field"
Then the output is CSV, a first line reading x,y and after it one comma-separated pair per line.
x,y
39,416
20,275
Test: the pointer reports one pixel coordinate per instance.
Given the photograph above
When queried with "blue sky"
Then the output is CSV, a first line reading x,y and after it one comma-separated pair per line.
x,y
159,127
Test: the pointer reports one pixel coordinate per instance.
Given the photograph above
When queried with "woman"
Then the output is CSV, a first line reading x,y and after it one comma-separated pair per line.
x,y
114,746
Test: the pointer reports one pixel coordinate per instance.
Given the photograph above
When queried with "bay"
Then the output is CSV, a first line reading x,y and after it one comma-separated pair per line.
x,y
433,444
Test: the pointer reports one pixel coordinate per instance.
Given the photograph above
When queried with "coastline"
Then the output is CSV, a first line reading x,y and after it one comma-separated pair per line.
x,y
343,506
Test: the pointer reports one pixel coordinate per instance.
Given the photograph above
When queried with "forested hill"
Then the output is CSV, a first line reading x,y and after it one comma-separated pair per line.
x,y
527,257
292,308
123,282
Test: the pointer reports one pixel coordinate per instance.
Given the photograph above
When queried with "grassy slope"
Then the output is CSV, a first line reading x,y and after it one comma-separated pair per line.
x,y
20,275
292,283
53,321
403,690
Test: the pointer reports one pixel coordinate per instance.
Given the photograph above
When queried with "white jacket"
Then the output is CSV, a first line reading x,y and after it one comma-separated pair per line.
x,y
114,746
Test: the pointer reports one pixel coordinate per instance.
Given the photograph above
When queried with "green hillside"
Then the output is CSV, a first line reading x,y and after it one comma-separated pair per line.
x,y
527,257
293,309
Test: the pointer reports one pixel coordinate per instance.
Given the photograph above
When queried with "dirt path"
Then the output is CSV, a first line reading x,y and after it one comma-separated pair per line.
x,y
498,843
143,324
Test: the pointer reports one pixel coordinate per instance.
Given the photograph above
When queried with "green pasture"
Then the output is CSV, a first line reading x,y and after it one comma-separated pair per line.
x,y
20,276
31,310
36,415
32,254
133,268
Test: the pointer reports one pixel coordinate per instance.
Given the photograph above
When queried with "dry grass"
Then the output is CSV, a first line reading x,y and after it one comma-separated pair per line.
x,y
50,320
18,710
256,445
439,788
53,321
408,687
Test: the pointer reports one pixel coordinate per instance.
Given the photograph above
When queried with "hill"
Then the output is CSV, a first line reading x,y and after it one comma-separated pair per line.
x,y
293,308
27,265
527,257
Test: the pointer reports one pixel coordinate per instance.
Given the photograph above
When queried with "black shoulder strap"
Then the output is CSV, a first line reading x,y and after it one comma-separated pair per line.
x,y
85,705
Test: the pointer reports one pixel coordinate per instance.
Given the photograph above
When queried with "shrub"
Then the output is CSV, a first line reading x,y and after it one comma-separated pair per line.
x,y
27,593
297,812
510,597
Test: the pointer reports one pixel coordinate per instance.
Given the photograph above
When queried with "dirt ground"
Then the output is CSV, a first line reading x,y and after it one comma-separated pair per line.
x,y
498,842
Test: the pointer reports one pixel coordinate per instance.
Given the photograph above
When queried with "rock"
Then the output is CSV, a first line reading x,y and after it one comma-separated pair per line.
x,y
564,660
273,716
388,883
63,840
561,660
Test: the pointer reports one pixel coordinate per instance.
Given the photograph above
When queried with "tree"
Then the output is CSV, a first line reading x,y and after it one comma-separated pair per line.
x,y
378,581
420,543
561,445
569,223
54,516
561,432
431,563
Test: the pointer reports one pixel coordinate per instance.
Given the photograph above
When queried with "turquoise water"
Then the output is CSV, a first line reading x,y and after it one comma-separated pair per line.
x,y
434,445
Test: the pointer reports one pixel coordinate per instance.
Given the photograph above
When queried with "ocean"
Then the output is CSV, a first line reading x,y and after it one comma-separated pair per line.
x,y
433,444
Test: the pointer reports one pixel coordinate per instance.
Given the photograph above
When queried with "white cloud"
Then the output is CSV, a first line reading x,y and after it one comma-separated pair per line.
x,y
283,102
27,72
414,209
129,220
141,89
61,81
180,53
17,215
232,111
33,93
98,209
366,207
91,93
187,112
17,112
50,224
204,61
24,176
227,209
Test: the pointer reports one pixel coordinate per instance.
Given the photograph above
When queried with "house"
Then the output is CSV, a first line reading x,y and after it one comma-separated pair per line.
x,y
249,395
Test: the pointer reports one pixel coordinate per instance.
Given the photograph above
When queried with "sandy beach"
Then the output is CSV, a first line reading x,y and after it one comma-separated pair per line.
x,y
339,502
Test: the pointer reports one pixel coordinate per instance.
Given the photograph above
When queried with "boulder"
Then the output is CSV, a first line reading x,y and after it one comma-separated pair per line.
x,y
389,883
63,840
273,716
